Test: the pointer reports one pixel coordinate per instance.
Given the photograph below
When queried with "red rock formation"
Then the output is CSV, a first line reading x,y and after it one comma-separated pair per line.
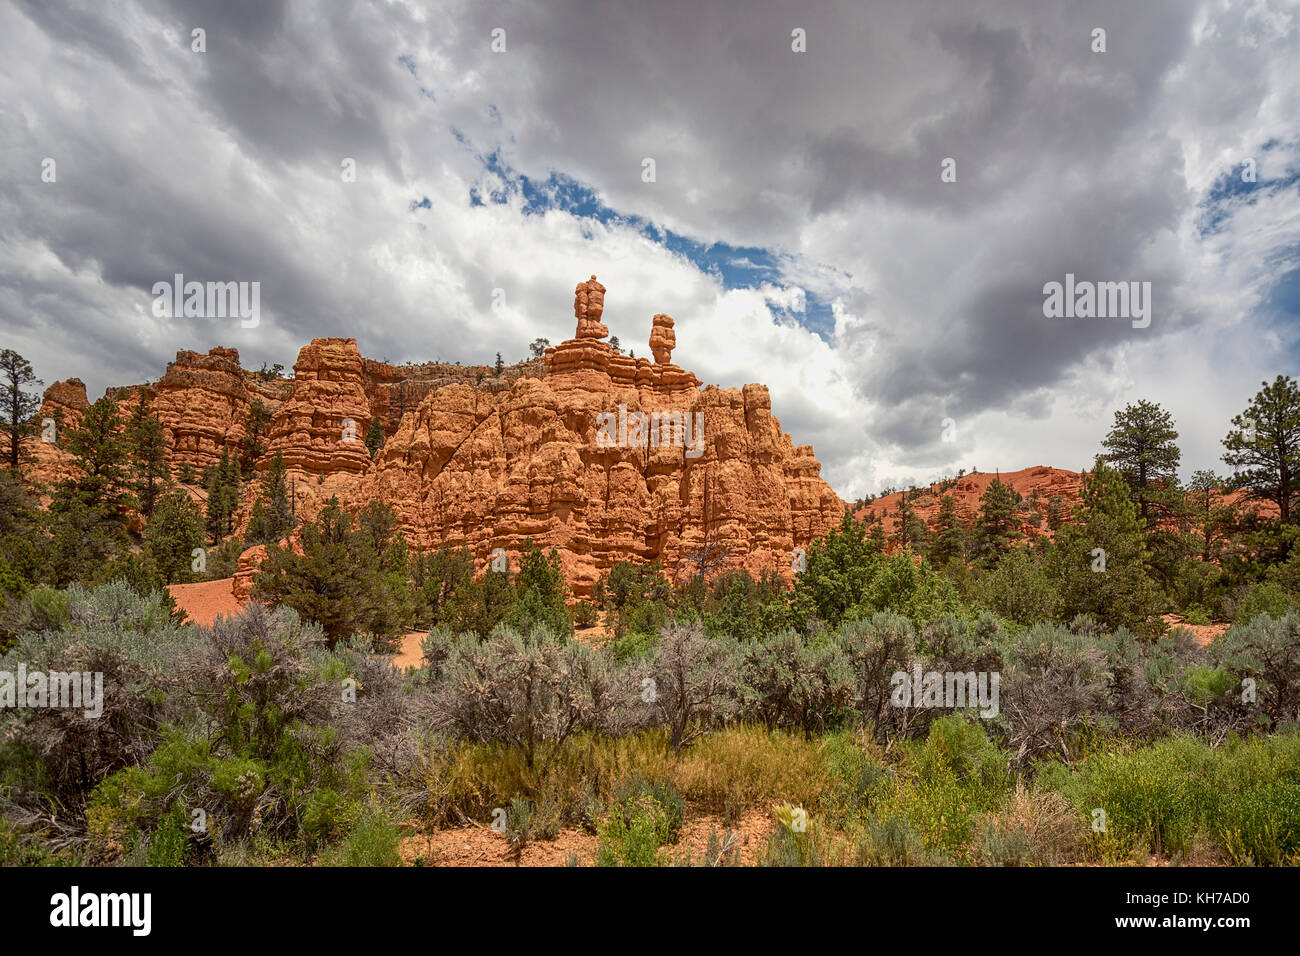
x,y
322,427
588,306
603,456
662,339
1037,486
201,403
65,401
570,462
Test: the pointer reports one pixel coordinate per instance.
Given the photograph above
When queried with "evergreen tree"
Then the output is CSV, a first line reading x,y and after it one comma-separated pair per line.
x,y
1057,512
19,407
448,594
840,569
1142,448
87,517
500,365
876,536
171,536
1265,442
998,524
1099,562
253,446
948,533
276,515
339,580
222,486
99,453
148,446
910,530
375,436
1211,518
540,592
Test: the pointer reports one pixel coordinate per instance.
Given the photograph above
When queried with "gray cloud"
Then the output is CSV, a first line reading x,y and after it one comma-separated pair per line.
x,y
225,165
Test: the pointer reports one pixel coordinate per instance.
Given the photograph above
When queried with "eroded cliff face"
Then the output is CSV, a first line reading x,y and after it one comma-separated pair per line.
x,y
602,456
569,461
202,403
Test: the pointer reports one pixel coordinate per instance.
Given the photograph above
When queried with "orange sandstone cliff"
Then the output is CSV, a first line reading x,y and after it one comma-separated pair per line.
x,y
603,456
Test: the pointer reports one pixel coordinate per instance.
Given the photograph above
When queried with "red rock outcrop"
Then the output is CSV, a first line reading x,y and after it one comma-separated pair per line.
x,y
1037,486
201,402
662,339
322,427
600,455
607,458
65,401
588,306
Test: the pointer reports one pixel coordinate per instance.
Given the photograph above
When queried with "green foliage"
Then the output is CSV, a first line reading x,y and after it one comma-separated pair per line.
x,y
1108,534
1158,799
1267,597
18,407
148,454
998,523
99,452
643,816
840,569
585,614
949,538
1019,588
540,593
345,578
272,515
1142,448
1263,446
257,421
221,483
375,436
171,536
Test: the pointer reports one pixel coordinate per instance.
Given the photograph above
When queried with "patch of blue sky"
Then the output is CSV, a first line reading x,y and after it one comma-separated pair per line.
x,y
1231,189
735,267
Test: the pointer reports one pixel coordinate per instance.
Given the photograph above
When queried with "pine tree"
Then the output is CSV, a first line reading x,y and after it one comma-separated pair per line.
x,y
998,524
1057,512
840,569
375,436
1142,448
1099,562
99,451
171,536
909,529
948,533
275,493
222,486
541,592
256,423
500,364
1265,442
19,407
327,583
448,595
148,445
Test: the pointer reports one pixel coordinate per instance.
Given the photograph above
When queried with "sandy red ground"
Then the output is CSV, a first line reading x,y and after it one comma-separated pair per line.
x,y
482,846
206,601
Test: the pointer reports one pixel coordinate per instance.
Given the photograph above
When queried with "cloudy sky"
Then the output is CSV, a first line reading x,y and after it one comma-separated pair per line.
x,y
797,226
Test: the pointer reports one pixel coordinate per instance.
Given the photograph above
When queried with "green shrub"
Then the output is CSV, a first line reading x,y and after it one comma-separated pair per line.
x,y
374,840
1267,597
